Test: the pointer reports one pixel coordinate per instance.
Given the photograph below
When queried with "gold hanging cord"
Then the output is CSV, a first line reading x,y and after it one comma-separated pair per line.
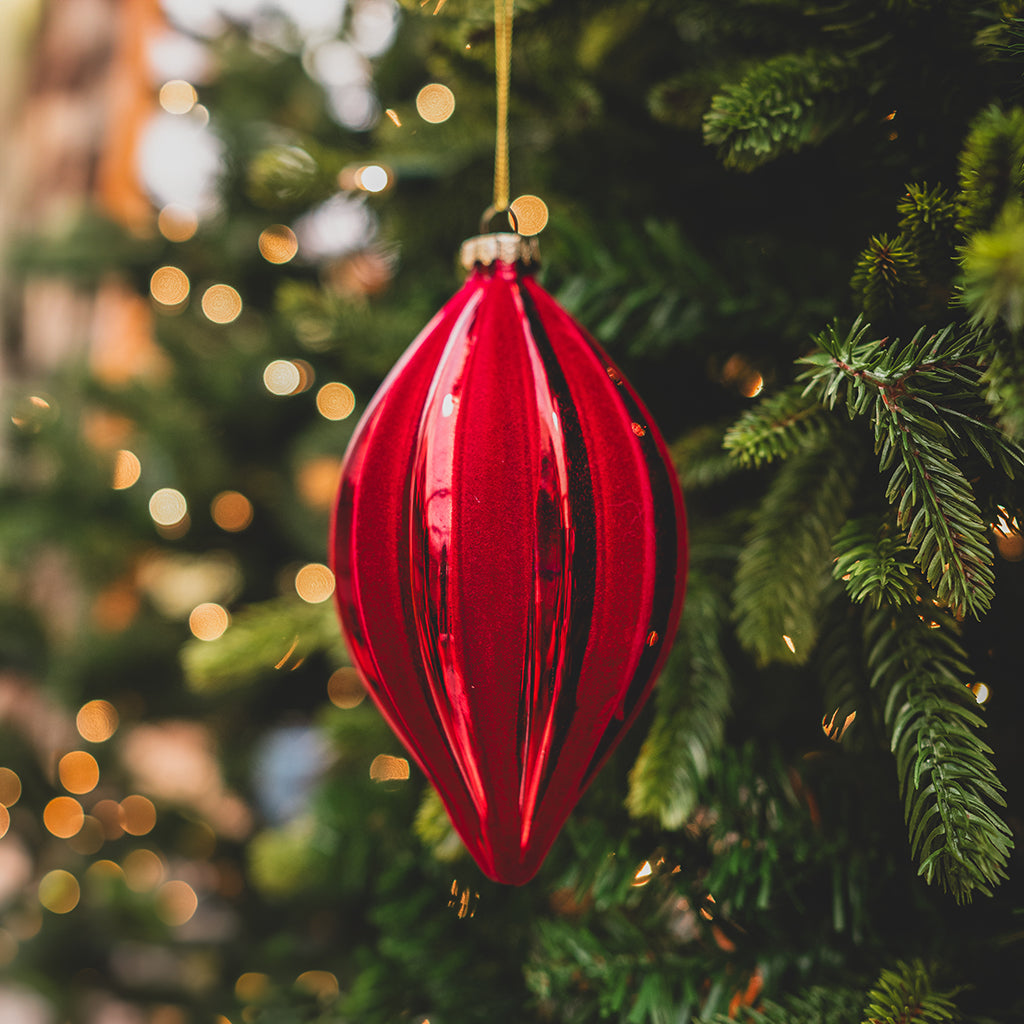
x,y
503,14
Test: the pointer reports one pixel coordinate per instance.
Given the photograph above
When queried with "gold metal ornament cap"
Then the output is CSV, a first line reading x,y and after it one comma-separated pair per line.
x,y
503,247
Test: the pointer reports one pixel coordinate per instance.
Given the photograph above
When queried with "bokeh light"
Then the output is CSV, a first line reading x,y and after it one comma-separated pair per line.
x,y
177,96
314,583
5,820
231,511
531,214
322,984
208,621
335,401
278,243
435,103
252,986
10,787
127,470
317,481
282,377
137,815
167,506
345,689
89,838
97,720
221,303
63,817
169,286
78,772
177,223
388,768
59,891
33,412
144,870
176,902
108,814
372,178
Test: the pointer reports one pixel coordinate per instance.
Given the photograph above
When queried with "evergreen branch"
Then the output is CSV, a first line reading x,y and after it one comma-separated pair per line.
x,y
276,634
781,105
699,459
923,399
776,427
888,277
692,703
1004,377
946,778
907,995
875,566
992,283
435,830
991,167
783,569
816,1005
927,224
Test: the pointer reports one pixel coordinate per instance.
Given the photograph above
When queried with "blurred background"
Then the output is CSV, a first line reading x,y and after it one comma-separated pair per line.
x,y
221,224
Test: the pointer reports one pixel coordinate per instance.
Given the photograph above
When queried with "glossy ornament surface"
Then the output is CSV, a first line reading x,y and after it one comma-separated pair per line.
x,y
509,545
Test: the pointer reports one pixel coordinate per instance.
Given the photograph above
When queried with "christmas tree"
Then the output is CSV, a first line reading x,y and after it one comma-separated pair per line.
x,y
800,231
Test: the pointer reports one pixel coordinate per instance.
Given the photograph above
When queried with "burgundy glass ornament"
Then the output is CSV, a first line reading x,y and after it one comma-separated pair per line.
x,y
510,551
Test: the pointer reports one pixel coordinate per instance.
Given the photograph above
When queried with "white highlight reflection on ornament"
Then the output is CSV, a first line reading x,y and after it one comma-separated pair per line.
x,y
180,161
447,406
341,225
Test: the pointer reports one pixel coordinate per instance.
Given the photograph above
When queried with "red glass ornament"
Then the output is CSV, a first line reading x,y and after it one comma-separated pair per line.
x,y
510,551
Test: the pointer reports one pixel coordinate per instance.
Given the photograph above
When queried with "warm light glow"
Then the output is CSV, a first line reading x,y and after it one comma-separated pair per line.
x,y
981,692
314,583
221,303
143,870
231,511
177,223
177,902
531,214
752,386
10,787
278,243
345,689
105,869
108,814
282,377
318,983
59,891
335,401
177,96
251,986
643,874
5,820
97,720
168,507
33,412
387,768
393,115
317,481
89,838
208,621
435,103
78,771
138,815
169,286
127,470
63,816
788,641
373,178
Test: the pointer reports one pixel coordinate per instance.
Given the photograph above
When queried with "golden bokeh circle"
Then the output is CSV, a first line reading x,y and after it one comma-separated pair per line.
x,y
208,621
335,401
252,986
138,815
10,787
282,377
5,820
169,286
127,470
177,223
177,96
231,511
59,891
388,768
345,689
167,506
177,902
97,720
314,583
531,214
108,814
63,817
89,838
323,984
144,870
435,103
78,772
221,303
277,243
